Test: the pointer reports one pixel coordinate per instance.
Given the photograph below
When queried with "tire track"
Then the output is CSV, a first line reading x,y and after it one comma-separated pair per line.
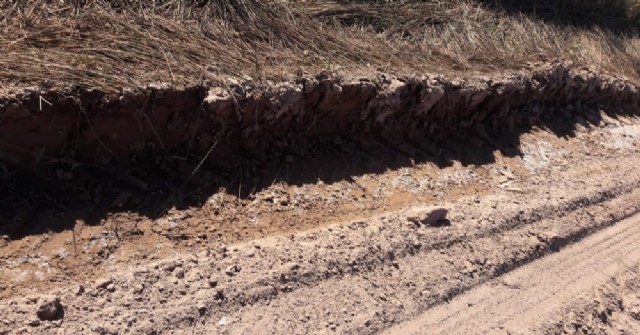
x,y
518,302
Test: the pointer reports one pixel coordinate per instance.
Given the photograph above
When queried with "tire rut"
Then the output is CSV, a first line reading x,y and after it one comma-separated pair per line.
x,y
542,287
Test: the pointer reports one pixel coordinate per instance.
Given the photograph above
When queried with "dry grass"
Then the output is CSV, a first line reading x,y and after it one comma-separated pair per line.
x,y
115,44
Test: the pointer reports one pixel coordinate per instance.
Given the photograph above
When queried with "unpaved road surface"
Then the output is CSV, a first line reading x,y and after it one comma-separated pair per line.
x,y
525,236
520,301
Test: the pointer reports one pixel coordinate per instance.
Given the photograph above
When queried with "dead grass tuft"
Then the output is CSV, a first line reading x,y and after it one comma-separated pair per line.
x,y
114,44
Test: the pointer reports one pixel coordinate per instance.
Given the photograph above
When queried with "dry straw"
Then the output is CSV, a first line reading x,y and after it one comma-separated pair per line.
x,y
114,44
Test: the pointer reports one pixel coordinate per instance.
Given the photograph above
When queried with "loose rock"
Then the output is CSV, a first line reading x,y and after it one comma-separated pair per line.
x,y
428,216
50,309
103,283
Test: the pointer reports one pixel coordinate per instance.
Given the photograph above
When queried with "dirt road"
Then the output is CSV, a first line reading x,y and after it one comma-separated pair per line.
x,y
520,302
363,273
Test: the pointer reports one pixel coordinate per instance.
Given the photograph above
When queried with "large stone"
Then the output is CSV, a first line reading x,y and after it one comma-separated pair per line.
x,y
429,216
50,309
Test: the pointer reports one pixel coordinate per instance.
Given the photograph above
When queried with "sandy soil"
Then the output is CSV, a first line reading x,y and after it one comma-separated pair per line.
x,y
349,256
520,301
613,308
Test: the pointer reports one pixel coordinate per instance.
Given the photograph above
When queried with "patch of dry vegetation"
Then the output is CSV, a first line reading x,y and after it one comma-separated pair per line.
x,y
114,44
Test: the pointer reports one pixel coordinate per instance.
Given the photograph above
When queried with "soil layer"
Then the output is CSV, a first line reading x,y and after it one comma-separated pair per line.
x,y
305,207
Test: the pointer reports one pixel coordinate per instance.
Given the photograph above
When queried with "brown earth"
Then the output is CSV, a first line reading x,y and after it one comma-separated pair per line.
x,y
613,308
521,301
289,210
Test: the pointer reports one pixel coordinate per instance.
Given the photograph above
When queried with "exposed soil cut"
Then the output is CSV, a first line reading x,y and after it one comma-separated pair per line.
x,y
330,205
86,152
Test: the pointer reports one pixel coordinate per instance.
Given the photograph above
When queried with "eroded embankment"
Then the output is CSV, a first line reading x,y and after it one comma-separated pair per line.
x,y
91,126
157,135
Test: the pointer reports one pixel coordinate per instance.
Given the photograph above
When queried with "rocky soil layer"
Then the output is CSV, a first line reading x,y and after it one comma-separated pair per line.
x,y
309,207
228,123
78,149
